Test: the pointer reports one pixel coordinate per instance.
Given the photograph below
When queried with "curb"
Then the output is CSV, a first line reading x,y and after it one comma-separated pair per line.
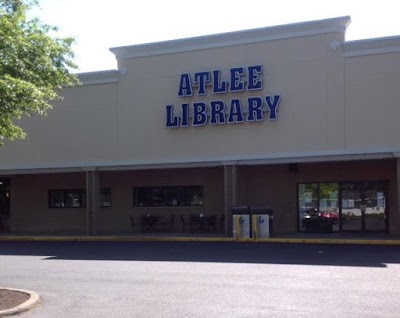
x,y
199,239
31,303
331,241
114,239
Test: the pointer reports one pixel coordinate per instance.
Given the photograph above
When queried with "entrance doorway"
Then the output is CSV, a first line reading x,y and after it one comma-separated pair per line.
x,y
363,206
342,206
4,205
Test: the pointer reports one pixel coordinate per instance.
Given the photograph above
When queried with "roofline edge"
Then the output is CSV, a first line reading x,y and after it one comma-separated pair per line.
x,y
338,24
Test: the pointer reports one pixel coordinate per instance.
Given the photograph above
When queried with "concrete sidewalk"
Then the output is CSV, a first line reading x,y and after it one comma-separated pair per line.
x,y
297,238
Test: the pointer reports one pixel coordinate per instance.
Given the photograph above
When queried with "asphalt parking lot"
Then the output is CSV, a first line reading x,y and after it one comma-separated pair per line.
x,y
187,279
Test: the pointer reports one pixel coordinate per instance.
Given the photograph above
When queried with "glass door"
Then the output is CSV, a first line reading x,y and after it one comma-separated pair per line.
x,y
351,214
318,207
363,206
374,206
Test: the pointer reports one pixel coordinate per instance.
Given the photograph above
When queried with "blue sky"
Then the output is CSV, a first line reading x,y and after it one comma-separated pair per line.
x,y
98,25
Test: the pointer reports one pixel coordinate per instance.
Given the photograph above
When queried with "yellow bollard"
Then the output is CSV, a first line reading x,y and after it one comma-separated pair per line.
x,y
237,223
254,220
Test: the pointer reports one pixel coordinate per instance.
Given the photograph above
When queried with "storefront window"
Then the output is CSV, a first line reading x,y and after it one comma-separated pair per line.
x,y
67,198
363,206
56,198
73,198
318,207
168,196
308,202
76,198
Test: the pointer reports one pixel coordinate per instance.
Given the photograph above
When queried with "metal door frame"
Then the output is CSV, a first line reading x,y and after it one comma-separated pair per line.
x,y
361,188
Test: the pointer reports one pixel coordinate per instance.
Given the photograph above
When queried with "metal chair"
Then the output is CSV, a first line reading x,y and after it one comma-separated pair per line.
x,y
133,223
211,223
185,223
221,223
215,223
170,224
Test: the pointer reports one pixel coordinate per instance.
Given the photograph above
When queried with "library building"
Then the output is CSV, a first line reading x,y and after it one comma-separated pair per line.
x,y
290,119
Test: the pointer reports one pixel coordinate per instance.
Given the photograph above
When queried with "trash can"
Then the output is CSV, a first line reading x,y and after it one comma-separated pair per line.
x,y
241,222
262,222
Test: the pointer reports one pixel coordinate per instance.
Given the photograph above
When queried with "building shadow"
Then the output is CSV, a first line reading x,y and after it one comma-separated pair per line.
x,y
213,252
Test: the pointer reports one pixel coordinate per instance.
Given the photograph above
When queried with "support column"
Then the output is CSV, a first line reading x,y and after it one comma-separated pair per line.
x,y
92,200
394,217
234,185
230,195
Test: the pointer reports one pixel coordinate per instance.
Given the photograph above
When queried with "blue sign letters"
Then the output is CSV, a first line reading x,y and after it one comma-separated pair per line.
x,y
240,79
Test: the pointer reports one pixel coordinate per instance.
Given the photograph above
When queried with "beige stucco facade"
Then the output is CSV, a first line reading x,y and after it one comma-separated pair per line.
x,y
336,122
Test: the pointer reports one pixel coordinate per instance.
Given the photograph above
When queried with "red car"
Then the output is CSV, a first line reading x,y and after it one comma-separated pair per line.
x,y
329,215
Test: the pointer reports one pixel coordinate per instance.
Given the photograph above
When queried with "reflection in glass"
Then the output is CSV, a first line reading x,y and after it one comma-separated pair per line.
x,y
57,199
362,207
67,198
329,204
351,207
308,203
318,207
73,199
375,207
168,196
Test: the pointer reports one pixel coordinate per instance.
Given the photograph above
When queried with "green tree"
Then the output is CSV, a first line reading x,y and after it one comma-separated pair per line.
x,y
33,66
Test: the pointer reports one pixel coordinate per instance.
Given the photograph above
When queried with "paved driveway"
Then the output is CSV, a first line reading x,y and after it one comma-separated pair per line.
x,y
166,279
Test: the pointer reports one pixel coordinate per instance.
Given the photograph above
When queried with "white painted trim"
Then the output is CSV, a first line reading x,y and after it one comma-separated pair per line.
x,y
372,46
317,156
233,38
100,77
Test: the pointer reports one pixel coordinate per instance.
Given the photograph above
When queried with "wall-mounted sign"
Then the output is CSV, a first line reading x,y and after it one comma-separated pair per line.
x,y
220,111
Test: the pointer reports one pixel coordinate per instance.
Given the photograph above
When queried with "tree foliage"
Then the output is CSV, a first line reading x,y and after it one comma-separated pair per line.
x,y
33,66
